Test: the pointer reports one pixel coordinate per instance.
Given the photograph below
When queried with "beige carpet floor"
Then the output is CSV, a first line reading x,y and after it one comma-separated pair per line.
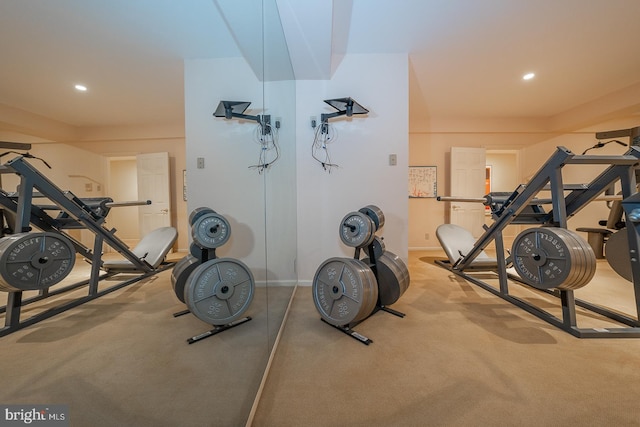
x,y
460,357
123,359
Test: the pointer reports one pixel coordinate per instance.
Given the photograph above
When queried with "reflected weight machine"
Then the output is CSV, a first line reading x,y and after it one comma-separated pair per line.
x,y
35,261
551,258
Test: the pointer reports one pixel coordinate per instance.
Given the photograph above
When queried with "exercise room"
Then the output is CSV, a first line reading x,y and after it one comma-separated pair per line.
x,y
319,213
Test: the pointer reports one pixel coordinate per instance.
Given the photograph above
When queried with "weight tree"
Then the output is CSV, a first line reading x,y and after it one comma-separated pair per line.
x,y
522,207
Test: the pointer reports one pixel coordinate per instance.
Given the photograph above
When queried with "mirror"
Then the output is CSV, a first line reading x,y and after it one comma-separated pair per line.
x,y
248,176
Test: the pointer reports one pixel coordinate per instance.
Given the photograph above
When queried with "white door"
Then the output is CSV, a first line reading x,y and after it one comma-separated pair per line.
x,y
468,173
153,184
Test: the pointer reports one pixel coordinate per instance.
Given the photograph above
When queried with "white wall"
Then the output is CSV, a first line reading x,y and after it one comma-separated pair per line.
x,y
226,184
379,83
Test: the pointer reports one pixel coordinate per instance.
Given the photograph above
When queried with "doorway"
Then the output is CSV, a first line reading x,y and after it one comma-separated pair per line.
x,y
122,186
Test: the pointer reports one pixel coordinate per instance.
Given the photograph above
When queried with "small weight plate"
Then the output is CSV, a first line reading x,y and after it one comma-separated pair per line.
x,y
197,213
196,250
181,272
378,247
344,291
376,215
34,261
356,230
210,231
219,291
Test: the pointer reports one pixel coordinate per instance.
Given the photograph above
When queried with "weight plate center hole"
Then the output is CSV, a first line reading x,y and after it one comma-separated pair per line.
x,y
337,291
39,260
224,290
539,258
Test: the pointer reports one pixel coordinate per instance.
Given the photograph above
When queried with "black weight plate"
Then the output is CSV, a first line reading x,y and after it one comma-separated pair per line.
x,y
378,247
376,215
197,213
180,274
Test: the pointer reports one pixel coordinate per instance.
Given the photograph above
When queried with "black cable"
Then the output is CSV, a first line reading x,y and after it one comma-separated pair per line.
x,y
601,144
320,141
27,155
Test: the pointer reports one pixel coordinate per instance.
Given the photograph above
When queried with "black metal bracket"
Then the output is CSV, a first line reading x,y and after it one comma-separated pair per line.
x,y
218,329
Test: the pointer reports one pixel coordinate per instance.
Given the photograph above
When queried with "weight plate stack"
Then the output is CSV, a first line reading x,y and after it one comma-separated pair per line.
x,y
344,291
357,230
393,277
210,230
550,257
34,261
181,272
219,291
376,215
378,247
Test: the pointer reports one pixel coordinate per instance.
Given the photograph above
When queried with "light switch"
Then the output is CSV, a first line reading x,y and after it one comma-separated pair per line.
x,y
393,160
200,162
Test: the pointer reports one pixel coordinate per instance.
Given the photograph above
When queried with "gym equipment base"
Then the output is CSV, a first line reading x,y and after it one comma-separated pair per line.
x,y
13,323
347,329
216,328
568,303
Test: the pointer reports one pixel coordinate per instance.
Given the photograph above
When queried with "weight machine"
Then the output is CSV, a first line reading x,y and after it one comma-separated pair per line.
x,y
21,213
523,207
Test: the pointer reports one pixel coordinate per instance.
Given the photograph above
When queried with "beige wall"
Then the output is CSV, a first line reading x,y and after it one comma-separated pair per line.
x,y
534,147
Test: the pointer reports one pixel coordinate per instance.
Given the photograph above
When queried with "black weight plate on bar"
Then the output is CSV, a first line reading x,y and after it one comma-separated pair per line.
x,y
616,251
393,277
378,247
376,215
542,258
219,291
34,261
181,272
197,213
344,291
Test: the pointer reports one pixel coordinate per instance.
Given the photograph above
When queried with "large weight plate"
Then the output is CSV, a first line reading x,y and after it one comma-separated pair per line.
x,y
181,272
356,230
344,291
197,213
34,261
548,257
393,277
219,291
210,231
376,215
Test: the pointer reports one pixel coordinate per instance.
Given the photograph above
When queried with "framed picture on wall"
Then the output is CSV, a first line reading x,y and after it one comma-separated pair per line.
x,y
422,182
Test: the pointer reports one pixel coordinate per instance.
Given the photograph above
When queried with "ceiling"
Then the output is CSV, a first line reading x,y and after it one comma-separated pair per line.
x,y
466,57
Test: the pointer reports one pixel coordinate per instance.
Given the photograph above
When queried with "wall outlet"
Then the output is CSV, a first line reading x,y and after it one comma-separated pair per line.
x,y
426,236
88,186
393,159
313,121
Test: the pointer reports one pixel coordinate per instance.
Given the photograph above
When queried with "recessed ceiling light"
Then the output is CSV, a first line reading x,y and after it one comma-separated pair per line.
x,y
81,88
528,76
